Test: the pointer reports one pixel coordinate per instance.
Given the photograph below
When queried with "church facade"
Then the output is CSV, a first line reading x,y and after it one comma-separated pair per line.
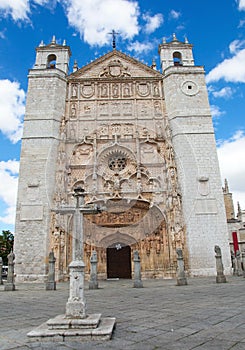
x,y
141,144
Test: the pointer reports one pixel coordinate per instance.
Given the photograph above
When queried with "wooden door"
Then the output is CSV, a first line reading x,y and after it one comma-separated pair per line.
x,y
119,262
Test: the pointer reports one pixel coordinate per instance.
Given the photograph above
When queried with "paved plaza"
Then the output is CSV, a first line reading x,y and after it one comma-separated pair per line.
x,y
202,315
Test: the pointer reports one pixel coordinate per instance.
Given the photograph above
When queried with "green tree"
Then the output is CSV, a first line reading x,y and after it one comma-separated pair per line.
x,y
6,245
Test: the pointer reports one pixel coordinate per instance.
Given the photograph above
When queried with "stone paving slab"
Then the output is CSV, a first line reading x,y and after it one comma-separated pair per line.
x,y
202,315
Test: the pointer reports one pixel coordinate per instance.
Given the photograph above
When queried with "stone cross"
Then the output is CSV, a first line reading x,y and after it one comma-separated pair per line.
x,y
10,286
1,270
181,279
220,278
51,284
239,263
137,271
93,282
76,304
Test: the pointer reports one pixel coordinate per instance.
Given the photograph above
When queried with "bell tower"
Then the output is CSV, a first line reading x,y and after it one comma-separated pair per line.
x,y
188,110
45,107
176,54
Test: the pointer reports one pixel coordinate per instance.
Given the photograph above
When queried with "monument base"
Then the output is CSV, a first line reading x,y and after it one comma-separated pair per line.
x,y
138,284
9,286
61,328
51,286
220,279
182,281
93,285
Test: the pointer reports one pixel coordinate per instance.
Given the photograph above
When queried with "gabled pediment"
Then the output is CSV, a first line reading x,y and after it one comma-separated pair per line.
x,y
115,64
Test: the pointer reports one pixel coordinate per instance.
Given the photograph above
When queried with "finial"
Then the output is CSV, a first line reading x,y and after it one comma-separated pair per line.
x,y
186,40
174,37
64,42
164,40
153,65
41,44
239,212
53,40
75,66
226,186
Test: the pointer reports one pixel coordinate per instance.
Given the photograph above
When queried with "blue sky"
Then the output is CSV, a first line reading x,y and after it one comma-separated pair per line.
x,y
215,28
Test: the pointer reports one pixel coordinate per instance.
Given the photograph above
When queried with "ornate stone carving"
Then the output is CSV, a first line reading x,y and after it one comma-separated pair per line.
x,y
87,90
74,90
73,110
143,89
115,69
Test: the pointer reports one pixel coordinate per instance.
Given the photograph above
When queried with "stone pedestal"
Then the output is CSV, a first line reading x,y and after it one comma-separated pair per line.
x,y
137,271
93,282
220,278
10,286
239,263
76,304
181,279
51,284
61,329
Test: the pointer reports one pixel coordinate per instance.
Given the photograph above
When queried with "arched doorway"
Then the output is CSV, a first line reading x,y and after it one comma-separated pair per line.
x,y
119,261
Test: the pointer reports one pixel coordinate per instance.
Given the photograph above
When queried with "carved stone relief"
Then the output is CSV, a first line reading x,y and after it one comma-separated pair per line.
x,y
87,89
122,161
115,69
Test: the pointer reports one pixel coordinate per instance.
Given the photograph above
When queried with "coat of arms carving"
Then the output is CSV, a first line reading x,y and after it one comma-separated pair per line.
x,y
115,69
87,90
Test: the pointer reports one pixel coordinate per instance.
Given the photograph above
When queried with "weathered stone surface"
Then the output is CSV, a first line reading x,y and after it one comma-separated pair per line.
x,y
181,278
220,278
102,332
133,137
93,282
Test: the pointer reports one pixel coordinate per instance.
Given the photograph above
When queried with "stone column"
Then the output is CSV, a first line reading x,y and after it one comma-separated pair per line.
x,y
9,286
51,284
1,270
137,271
93,282
181,279
220,278
239,263
76,304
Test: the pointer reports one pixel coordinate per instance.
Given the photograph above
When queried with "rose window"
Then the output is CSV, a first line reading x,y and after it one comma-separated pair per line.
x,y
117,163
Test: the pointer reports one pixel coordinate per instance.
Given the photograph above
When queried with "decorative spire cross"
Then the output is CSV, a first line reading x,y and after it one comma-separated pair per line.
x,y
114,33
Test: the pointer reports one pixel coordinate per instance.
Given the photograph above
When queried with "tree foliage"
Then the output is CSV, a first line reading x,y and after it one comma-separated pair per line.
x,y
6,245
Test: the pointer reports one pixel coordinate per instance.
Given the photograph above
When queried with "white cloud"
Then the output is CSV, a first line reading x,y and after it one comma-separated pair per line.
x,y
45,2
241,5
225,92
95,19
20,10
236,45
17,9
231,69
12,108
152,22
174,14
215,111
140,47
8,189
232,165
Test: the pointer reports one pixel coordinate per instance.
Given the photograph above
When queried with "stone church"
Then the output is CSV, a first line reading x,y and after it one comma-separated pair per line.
x,y
141,144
